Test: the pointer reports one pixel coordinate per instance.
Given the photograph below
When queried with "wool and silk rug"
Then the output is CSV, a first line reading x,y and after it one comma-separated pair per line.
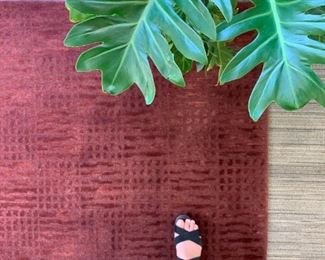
x,y
87,176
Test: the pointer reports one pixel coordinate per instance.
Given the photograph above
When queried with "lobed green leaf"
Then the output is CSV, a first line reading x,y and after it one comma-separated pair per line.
x,y
129,32
284,47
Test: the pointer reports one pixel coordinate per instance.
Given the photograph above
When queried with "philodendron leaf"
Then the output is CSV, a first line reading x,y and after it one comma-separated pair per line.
x,y
131,31
284,47
320,11
226,7
219,54
75,16
183,63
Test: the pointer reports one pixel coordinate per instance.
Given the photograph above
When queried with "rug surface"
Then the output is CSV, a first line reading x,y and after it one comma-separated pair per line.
x,y
87,176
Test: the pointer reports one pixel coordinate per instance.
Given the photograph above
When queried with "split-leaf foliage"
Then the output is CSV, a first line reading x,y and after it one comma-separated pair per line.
x,y
126,35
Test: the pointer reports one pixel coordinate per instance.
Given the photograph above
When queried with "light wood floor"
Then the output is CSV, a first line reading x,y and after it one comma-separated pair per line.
x,y
297,184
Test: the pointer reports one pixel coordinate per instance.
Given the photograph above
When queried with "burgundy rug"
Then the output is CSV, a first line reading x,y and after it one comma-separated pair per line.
x,y
87,176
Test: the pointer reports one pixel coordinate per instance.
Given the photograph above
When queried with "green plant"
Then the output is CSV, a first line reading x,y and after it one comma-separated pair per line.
x,y
176,33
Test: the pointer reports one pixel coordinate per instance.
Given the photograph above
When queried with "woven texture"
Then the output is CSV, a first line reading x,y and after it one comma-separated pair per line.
x,y
88,176
297,190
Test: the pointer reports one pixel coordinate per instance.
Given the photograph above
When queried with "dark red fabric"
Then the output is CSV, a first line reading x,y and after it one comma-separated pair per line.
x,y
88,176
